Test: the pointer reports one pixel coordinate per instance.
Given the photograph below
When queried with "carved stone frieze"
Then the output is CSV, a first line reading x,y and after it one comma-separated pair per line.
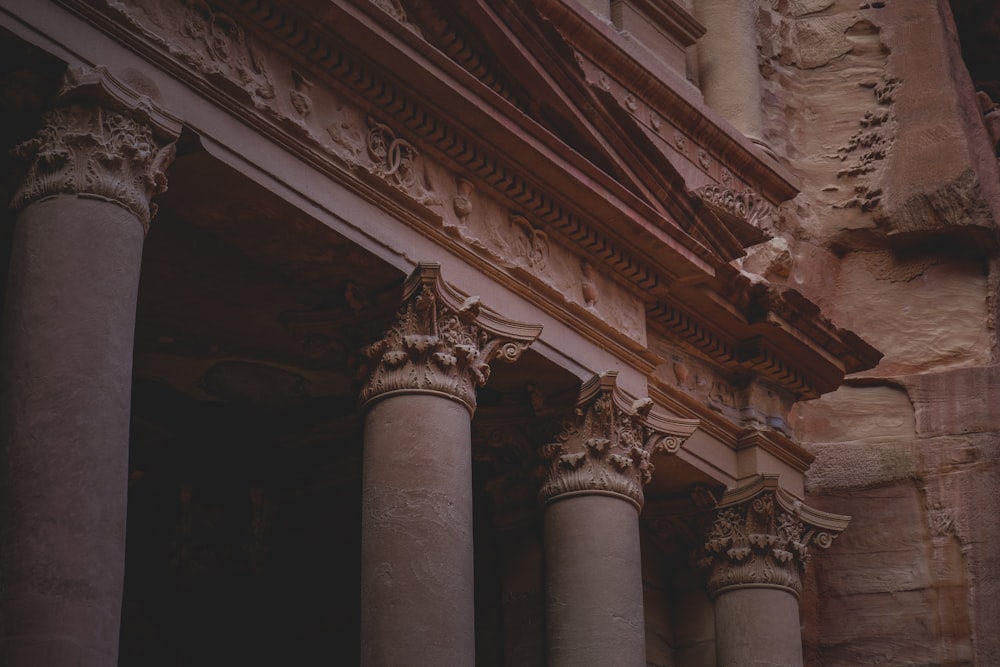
x,y
747,206
761,536
441,342
221,46
104,140
605,447
395,159
531,244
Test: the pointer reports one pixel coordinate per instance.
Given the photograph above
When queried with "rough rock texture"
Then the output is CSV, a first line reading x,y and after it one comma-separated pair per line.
x,y
894,235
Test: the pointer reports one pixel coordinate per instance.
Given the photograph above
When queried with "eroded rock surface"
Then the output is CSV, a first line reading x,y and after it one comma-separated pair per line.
x,y
894,235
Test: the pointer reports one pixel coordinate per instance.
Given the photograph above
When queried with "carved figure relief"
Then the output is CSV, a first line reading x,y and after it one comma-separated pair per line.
x,y
587,284
225,49
606,446
83,148
461,202
301,101
347,137
210,41
704,159
761,535
441,342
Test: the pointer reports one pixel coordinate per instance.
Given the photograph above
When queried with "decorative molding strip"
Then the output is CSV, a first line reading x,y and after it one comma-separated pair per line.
x,y
746,207
605,448
441,342
761,536
105,140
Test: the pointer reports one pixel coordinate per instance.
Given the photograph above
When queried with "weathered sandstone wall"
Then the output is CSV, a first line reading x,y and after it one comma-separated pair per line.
x,y
894,235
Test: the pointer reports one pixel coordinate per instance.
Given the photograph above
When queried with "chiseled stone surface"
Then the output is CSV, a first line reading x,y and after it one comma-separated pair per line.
x,y
928,313
891,235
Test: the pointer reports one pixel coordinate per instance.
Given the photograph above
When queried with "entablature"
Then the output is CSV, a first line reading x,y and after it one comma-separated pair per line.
x,y
356,92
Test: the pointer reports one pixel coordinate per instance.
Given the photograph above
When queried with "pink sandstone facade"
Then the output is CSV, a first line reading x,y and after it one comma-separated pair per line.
x,y
499,333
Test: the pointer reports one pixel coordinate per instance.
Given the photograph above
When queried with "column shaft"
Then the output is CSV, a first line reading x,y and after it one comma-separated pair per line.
x,y
67,369
593,572
757,627
728,71
417,551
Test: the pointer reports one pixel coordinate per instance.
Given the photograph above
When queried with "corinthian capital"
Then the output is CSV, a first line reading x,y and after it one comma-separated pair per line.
x,y
761,536
442,342
605,448
103,140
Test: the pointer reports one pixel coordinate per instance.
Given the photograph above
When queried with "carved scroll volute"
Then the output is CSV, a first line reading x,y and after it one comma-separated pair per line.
x,y
441,342
606,447
761,536
104,140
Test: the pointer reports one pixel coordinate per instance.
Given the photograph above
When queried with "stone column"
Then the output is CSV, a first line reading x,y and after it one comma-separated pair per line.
x,y
755,554
592,496
66,363
728,71
417,605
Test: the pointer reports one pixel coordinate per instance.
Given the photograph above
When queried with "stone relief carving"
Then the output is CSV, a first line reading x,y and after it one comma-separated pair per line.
x,y
461,202
299,96
225,49
606,446
210,41
345,133
587,285
213,44
441,342
761,535
395,9
105,141
680,141
395,159
704,159
531,244
746,206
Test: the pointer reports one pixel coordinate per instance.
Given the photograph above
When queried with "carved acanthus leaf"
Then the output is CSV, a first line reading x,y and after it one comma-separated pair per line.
x,y
442,342
761,536
104,140
746,207
606,447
